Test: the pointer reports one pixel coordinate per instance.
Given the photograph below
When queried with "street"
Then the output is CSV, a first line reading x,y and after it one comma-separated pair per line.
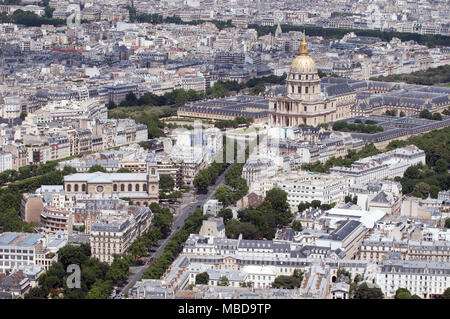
x,y
180,215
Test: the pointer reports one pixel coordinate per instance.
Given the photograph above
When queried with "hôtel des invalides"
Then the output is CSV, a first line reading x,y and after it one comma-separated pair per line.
x,y
301,100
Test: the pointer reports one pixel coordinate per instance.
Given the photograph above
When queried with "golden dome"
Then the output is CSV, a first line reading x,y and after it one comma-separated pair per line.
x,y
303,63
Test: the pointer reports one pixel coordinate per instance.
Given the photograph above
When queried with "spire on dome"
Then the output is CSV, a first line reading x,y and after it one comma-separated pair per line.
x,y
304,45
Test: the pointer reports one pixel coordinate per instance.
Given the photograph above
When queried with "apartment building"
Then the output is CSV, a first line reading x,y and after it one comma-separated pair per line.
x,y
114,231
406,250
18,249
423,278
6,161
304,186
385,165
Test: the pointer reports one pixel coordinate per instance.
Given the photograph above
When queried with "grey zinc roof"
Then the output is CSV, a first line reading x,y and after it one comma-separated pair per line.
x,y
345,230
99,177
381,197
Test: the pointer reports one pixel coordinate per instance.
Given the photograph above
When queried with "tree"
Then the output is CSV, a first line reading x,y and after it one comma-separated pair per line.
x,y
289,282
316,203
402,114
434,191
226,214
258,89
123,170
163,220
202,278
97,168
131,98
23,115
223,281
421,190
100,290
437,117
402,293
67,170
446,294
111,105
447,223
223,195
35,293
202,180
166,182
70,254
412,172
303,206
365,292
249,231
425,114
441,166
297,225
278,200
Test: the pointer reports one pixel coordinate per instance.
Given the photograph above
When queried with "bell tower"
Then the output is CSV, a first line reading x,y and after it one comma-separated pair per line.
x,y
152,181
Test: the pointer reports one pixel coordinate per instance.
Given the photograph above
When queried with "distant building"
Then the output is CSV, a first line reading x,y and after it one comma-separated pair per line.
x,y
301,101
113,233
423,278
213,206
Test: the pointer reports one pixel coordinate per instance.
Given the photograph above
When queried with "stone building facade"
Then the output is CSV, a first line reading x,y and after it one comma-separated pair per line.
x,y
303,101
140,188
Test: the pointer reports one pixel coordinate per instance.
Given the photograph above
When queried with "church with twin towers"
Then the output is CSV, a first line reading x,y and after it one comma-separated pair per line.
x,y
301,101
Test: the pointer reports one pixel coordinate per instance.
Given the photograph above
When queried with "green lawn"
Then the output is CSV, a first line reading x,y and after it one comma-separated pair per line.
x,y
137,111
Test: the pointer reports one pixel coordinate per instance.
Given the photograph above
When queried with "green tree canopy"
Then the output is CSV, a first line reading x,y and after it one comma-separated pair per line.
x,y
365,292
202,278
223,281
97,168
166,182
297,225
402,293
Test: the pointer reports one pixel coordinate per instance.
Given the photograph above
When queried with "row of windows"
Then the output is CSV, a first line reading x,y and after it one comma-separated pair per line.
x,y
299,89
115,187
16,257
130,187
18,251
299,77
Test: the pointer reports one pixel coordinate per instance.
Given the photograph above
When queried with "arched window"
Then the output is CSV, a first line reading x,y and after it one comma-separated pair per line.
x,y
76,188
153,171
115,187
153,188
130,187
144,187
306,90
122,187
69,187
137,188
83,187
